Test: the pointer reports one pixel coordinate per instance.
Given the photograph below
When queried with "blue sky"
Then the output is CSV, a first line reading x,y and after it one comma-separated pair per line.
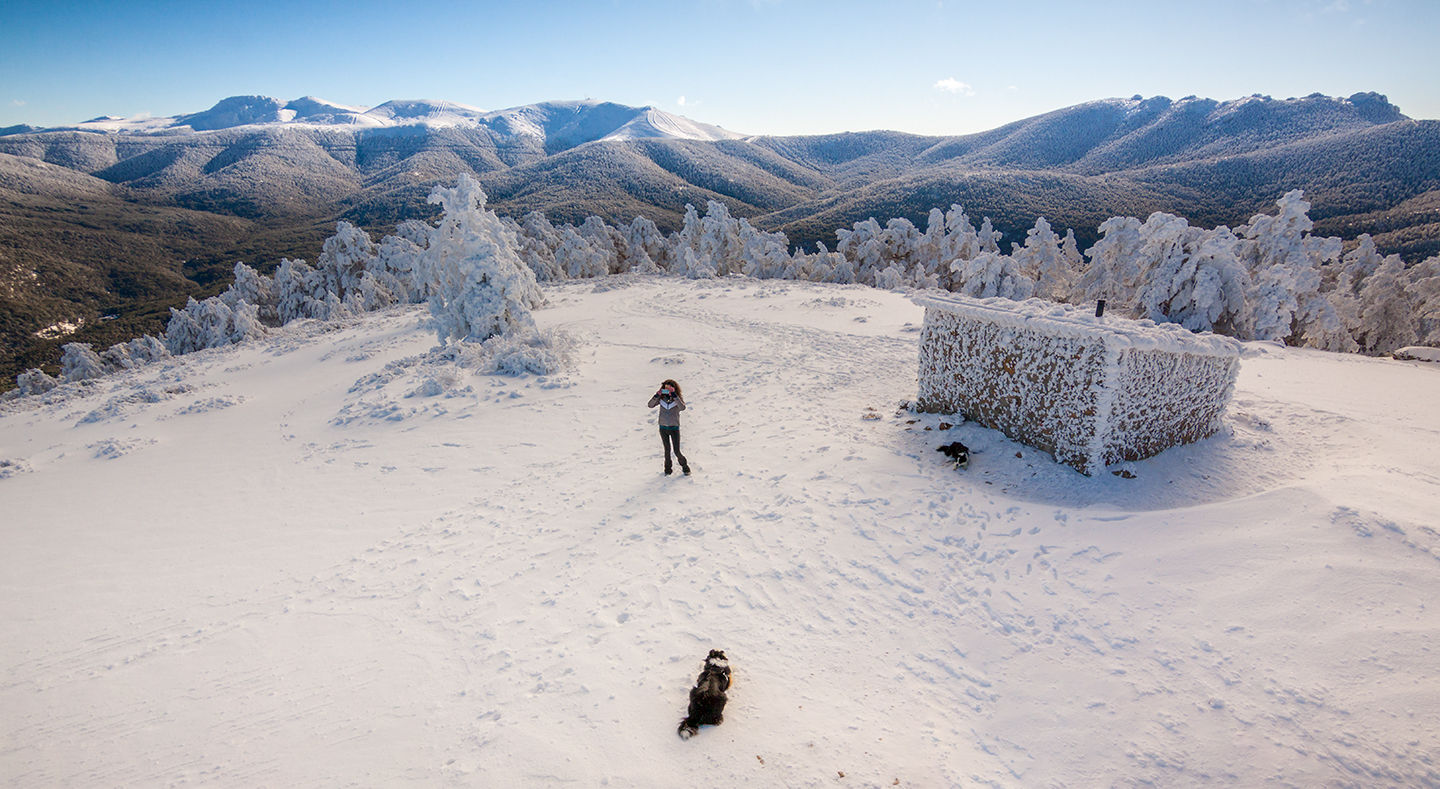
x,y
754,66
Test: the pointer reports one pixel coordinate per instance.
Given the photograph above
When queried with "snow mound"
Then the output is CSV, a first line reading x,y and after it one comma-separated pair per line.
x,y
11,467
112,448
1417,353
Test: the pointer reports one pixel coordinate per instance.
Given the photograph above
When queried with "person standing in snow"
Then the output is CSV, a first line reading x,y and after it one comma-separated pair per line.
x,y
671,404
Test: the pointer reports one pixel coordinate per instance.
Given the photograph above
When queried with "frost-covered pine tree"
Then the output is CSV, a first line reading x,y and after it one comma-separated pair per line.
x,y
1320,320
988,237
763,255
80,363
900,242
1202,288
989,275
720,239
863,247
1070,253
34,381
146,349
245,323
299,293
836,267
538,241
962,241
255,288
929,255
1283,273
1164,257
647,246
891,277
117,357
216,320
401,254
1424,287
1114,273
479,286
1387,311
183,333
687,237
604,240
691,265
578,257
1042,260
345,257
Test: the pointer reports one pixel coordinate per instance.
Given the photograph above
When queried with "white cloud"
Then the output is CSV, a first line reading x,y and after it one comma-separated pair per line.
x,y
18,102
680,101
952,85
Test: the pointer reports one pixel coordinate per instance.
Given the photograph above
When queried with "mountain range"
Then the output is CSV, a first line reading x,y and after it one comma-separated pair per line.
x,y
120,218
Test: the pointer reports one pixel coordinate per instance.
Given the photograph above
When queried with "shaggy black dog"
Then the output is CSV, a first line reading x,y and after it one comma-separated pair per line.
x,y
707,698
957,452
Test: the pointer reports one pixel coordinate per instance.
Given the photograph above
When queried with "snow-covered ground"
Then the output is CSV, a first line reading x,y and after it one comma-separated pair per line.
x,y
268,565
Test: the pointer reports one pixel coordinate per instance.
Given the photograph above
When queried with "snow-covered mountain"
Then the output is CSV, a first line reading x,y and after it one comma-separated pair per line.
x,y
561,124
326,557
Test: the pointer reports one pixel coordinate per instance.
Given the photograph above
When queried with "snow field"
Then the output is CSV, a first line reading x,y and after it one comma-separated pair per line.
x,y
289,570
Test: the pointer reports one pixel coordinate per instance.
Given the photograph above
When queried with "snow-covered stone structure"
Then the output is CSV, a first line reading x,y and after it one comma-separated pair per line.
x,y
1090,391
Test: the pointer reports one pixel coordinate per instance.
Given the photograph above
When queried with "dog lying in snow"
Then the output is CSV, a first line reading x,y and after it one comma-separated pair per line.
x,y
957,452
707,698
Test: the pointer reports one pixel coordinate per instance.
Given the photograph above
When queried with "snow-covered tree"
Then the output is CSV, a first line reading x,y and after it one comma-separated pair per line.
x,y
299,292
990,275
479,286
720,239
901,245
34,381
146,349
864,248
603,239
538,241
1424,287
1164,260
1203,287
255,288
1042,260
79,362
116,358
688,237
578,257
345,257
211,323
183,333
401,254
647,246
1283,271
988,237
763,255
692,265
1387,312
1114,273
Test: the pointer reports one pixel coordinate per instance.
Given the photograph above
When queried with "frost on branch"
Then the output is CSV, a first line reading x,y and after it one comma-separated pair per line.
x,y
1089,391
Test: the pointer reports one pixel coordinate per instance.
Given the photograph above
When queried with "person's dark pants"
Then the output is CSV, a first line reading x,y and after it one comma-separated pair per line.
x,y
670,436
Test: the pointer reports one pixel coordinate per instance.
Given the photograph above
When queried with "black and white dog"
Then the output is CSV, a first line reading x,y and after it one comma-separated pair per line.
x,y
957,452
707,698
